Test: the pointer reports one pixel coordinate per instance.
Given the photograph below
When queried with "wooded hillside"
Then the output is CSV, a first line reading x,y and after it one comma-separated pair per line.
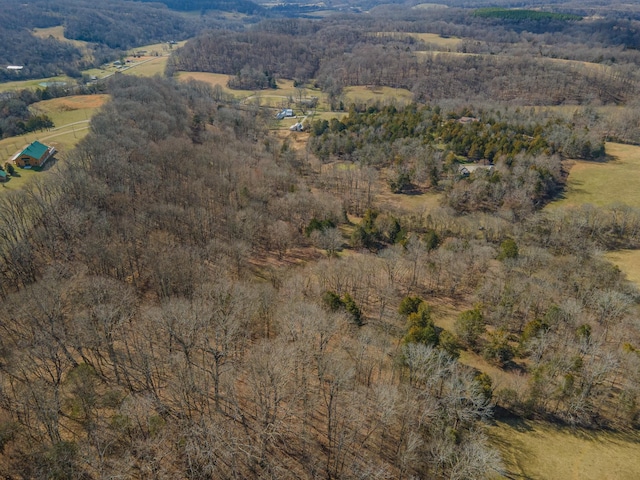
x,y
494,62
199,292
152,322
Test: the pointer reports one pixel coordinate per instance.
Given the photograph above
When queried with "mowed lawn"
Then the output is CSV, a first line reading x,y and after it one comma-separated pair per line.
x,y
536,450
605,183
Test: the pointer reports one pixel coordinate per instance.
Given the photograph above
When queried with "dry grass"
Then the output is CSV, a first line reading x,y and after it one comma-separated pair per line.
x,y
435,39
66,110
604,183
416,204
542,451
362,94
427,6
58,34
283,93
212,79
156,49
449,43
147,66
628,261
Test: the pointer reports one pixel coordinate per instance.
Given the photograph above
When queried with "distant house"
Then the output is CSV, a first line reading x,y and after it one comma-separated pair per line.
x,y
15,67
296,127
35,155
287,112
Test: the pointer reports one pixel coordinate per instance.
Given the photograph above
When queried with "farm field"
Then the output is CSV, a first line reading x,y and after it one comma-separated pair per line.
x,y
58,33
532,449
66,110
604,183
34,83
212,79
148,67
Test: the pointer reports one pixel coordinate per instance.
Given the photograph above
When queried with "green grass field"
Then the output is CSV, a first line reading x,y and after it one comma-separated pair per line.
x,y
537,450
604,183
22,84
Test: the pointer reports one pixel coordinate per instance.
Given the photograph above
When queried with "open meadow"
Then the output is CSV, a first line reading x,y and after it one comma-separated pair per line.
x,y
628,261
34,83
538,450
604,183
57,32
433,39
366,94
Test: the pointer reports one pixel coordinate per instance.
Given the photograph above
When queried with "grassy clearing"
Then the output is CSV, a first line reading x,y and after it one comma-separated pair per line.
x,y
327,116
284,91
604,183
35,83
417,204
66,110
214,79
435,39
628,261
542,451
156,49
445,43
148,67
58,34
427,6
363,94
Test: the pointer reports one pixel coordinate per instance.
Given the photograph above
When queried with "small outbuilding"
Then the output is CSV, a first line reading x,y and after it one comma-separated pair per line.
x,y
35,155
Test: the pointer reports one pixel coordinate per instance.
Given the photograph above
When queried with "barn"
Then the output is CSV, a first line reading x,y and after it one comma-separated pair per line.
x,y
35,155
